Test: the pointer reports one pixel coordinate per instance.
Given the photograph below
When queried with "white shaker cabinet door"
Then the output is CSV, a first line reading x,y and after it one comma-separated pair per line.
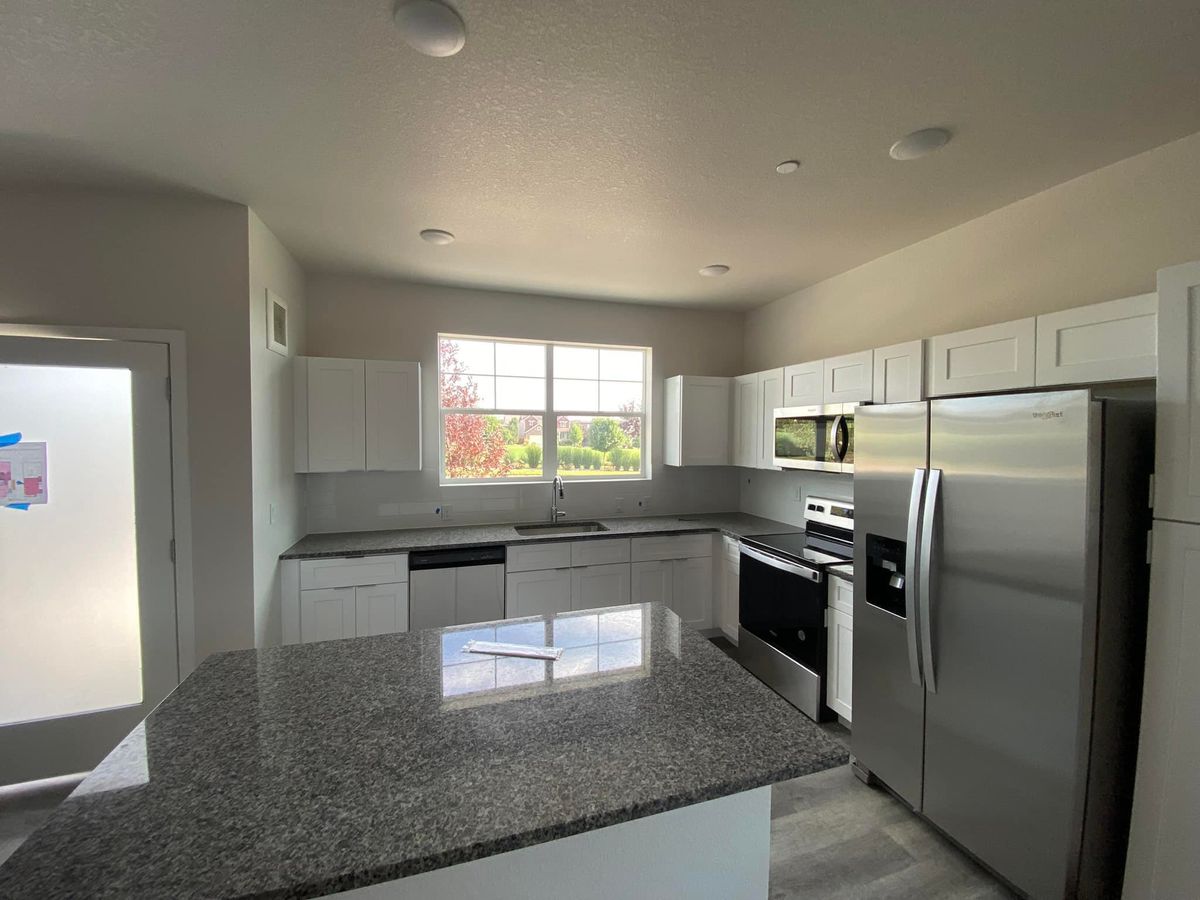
x,y
333,397
537,593
692,591
898,373
840,663
847,379
1112,341
1177,444
993,358
650,581
393,417
746,416
381,609
804,384
327,615
593,587
770,394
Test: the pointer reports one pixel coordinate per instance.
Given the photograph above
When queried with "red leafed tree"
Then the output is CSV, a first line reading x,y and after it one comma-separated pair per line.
x,y
472,451
632,425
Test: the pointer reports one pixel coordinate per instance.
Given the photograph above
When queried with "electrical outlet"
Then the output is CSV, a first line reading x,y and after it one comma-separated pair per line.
x,y
437,511
643,503
620,504
447,513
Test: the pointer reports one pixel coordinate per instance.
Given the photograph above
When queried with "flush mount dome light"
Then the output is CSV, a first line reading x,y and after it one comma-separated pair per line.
x,y
430,27
714,270
437,236
788,166
919,143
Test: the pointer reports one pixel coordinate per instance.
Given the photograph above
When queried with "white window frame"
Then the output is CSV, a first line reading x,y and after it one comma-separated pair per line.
x,y
549,416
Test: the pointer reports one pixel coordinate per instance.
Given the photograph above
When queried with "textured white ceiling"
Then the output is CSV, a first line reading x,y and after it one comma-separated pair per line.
x,y
601,148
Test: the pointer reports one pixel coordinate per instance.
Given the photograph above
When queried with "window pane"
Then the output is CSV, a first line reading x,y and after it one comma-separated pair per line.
x,y
469,392
473,357
521,359
520,393
591,446
622,365
476,445
625,396
576,362
572,394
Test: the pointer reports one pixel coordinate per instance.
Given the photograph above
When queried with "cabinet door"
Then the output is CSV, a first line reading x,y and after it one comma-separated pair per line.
x,y
839,665
336,415
393,416
692,591
326,615
1112,341
537,593
898,373
380,609
1177,448
770,397
595,586
650,582
431,598
993,358
804,384
745,421
1165,831
848,379
730,563
479,594
697,420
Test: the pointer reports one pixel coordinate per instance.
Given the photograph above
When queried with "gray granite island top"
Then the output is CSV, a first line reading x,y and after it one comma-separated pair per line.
x,y
304,770
351,543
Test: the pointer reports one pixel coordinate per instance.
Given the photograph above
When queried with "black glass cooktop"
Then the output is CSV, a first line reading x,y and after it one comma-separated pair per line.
x,y
796,545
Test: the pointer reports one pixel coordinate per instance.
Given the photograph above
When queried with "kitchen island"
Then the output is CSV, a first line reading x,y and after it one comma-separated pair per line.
x,y
399,766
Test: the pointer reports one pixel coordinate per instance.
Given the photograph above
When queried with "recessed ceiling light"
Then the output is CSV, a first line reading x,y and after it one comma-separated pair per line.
x,y
437,236
788,166
919,143
430,27
714,270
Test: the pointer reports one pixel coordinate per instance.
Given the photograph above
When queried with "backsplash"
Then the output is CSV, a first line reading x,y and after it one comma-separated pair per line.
x,y
780,495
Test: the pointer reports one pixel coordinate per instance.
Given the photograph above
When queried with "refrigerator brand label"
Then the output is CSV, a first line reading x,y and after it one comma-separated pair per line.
x,y
1049,414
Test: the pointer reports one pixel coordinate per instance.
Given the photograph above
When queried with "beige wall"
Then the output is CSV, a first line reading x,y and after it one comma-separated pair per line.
x,y
276,486
382,319
1099,237
142,261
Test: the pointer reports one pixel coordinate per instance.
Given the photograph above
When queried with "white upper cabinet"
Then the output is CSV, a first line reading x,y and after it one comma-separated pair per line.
x,y
847,379
1111,341
746,415
393,421
696,421
1177,445
770,396
354,414
898,373
330,408
804,384
993,358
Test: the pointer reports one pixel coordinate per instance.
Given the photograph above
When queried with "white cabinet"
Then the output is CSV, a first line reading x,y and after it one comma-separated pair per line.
x,y
993,358
1177,445
600,552
650,581
457,595
847,379
393,417
692,590
696,421
677,571
537,557
804,384
1165,831
1112,341
746,416
839,667
770,395
672,546
727,587
327,614
352,415
898,373
597,586
380,609
537,593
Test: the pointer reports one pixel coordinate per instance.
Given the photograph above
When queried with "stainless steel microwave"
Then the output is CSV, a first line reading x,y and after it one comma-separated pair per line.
x,y
815,437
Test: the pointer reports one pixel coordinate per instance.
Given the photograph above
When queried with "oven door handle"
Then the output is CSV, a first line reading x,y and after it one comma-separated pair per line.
x,y
775,562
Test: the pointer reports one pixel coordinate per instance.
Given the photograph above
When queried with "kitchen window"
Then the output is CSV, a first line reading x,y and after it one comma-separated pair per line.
x,y
515,410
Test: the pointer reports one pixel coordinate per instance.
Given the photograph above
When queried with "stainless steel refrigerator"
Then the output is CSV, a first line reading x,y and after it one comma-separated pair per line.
x,y
999,624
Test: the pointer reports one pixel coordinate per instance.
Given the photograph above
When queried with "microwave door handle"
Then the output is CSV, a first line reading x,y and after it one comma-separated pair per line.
x,y
910,578
926,586
841,438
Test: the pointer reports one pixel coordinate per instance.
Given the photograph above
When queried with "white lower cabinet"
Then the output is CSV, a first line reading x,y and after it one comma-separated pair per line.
x,y
327,614
380,609
651,581
329,599
596,586
727,585
537,593
840,653
685,585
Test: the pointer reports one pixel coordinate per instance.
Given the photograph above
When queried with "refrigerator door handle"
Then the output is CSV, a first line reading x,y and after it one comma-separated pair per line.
x,y
910,579
925,586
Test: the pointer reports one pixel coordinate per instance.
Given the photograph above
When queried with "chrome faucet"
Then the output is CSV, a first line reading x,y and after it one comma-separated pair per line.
x,y
556,494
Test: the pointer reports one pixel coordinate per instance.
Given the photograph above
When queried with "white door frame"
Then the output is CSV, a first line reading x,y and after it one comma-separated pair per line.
x,y
185,609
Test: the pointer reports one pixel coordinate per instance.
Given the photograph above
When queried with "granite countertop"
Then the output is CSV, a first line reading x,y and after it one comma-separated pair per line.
x,y
351,543
304,770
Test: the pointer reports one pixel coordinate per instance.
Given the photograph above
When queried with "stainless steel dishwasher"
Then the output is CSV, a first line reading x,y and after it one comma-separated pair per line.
x,y
456,586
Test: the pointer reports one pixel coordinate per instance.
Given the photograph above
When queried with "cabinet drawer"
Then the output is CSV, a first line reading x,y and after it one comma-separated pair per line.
x,y
600,553
535,557
675,546
342,572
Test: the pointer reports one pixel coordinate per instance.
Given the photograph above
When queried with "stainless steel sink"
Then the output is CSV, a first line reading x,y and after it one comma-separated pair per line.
x,y
560,528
